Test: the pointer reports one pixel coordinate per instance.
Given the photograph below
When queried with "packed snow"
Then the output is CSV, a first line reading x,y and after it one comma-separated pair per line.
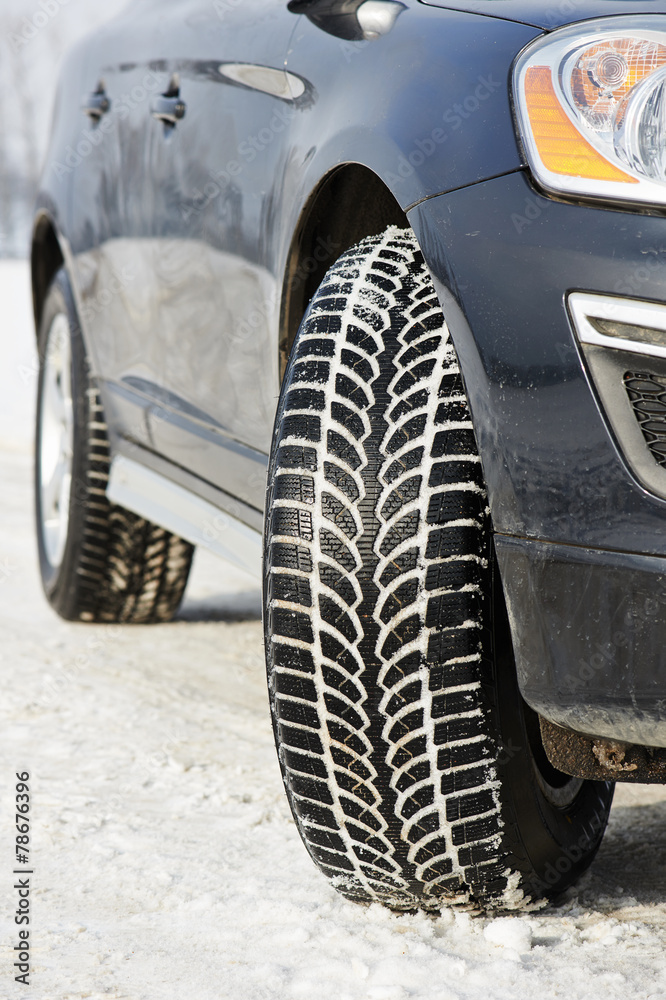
x,y
166,860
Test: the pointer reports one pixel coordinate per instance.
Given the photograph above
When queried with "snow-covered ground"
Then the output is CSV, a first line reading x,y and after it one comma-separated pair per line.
x,y
166,861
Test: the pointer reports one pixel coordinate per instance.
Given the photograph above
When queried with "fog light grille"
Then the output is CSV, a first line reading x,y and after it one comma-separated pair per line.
x,y
648,398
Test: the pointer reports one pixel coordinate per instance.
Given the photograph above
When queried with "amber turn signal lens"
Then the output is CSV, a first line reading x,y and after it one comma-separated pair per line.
x,y
563,150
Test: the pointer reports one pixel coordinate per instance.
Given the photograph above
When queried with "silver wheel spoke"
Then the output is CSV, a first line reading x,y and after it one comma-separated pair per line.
x,y
57,440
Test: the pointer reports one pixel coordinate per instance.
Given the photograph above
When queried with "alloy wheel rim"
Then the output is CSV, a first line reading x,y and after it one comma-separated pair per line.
x,y
56,440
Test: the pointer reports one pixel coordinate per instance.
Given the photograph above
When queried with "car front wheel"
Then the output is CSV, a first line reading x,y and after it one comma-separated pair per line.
x,y
414,770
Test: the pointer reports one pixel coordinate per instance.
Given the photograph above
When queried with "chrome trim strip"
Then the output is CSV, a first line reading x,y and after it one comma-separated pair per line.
x,y
648,315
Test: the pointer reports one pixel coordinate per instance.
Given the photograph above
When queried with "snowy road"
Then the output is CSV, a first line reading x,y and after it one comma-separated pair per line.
x,y
166,862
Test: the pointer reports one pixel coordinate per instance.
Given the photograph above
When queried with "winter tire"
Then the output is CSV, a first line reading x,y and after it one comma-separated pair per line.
x,y
98,561
414,771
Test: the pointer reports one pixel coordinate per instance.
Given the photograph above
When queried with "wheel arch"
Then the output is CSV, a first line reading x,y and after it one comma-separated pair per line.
x,y
349,203
46,259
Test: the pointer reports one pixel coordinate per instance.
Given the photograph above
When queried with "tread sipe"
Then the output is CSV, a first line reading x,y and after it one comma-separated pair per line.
x,y
377,591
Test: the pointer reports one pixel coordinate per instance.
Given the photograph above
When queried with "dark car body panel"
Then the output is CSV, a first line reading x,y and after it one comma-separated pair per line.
x,y
178,243
554,15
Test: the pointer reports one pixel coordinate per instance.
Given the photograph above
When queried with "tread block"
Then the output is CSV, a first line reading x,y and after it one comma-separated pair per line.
x,y
444,649
339,582
292,521
425,826
453,411
293,657
452,730
338,681
402,668
299,739
305,426
411,430
358,364
294,456
348,419
333,614
351,763
407,491
451,575
310,788
453,609
410,723
408,752
322,347
416,401
405,632
444,473
403,563
429,345
417,772
418,373
443,543
343,480
290,588
409,460
341,448
335,651
476,829
349,389
287,710
453,703
290,624
464,754
442,867
406,527
334,510
424,796
341,710
335,549
362,339
402,597
295,686
457,441
433,849
286,556
304,763
341,734
288,486
453,505
305,399
474,804
407,695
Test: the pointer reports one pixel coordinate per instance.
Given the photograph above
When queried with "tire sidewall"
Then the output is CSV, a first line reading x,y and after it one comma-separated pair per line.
x,y
60,582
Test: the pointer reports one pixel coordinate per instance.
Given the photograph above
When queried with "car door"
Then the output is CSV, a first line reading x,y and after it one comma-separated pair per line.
x,y
191,188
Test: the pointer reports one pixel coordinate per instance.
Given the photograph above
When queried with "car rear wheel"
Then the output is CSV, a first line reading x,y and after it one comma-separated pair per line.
x,y
414,770
98,561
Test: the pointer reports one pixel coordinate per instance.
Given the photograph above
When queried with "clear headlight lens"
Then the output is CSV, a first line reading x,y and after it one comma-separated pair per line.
x,y
591,107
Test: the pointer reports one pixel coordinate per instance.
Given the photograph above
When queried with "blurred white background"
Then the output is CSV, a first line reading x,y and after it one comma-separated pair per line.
x,y
34,35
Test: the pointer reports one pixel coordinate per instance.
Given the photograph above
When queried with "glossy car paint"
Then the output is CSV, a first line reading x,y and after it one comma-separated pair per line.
x,y
178,239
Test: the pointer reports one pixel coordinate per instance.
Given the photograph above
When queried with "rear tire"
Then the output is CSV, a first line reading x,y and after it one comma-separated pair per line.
x,y
414,770
98,561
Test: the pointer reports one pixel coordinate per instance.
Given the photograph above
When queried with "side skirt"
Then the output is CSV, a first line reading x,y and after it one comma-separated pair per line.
x,y
153,496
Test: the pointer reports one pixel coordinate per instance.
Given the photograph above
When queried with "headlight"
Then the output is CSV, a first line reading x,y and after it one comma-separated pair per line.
x,y
591,107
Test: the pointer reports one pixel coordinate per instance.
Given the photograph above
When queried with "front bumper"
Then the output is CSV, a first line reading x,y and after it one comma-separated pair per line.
x,y
581,543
